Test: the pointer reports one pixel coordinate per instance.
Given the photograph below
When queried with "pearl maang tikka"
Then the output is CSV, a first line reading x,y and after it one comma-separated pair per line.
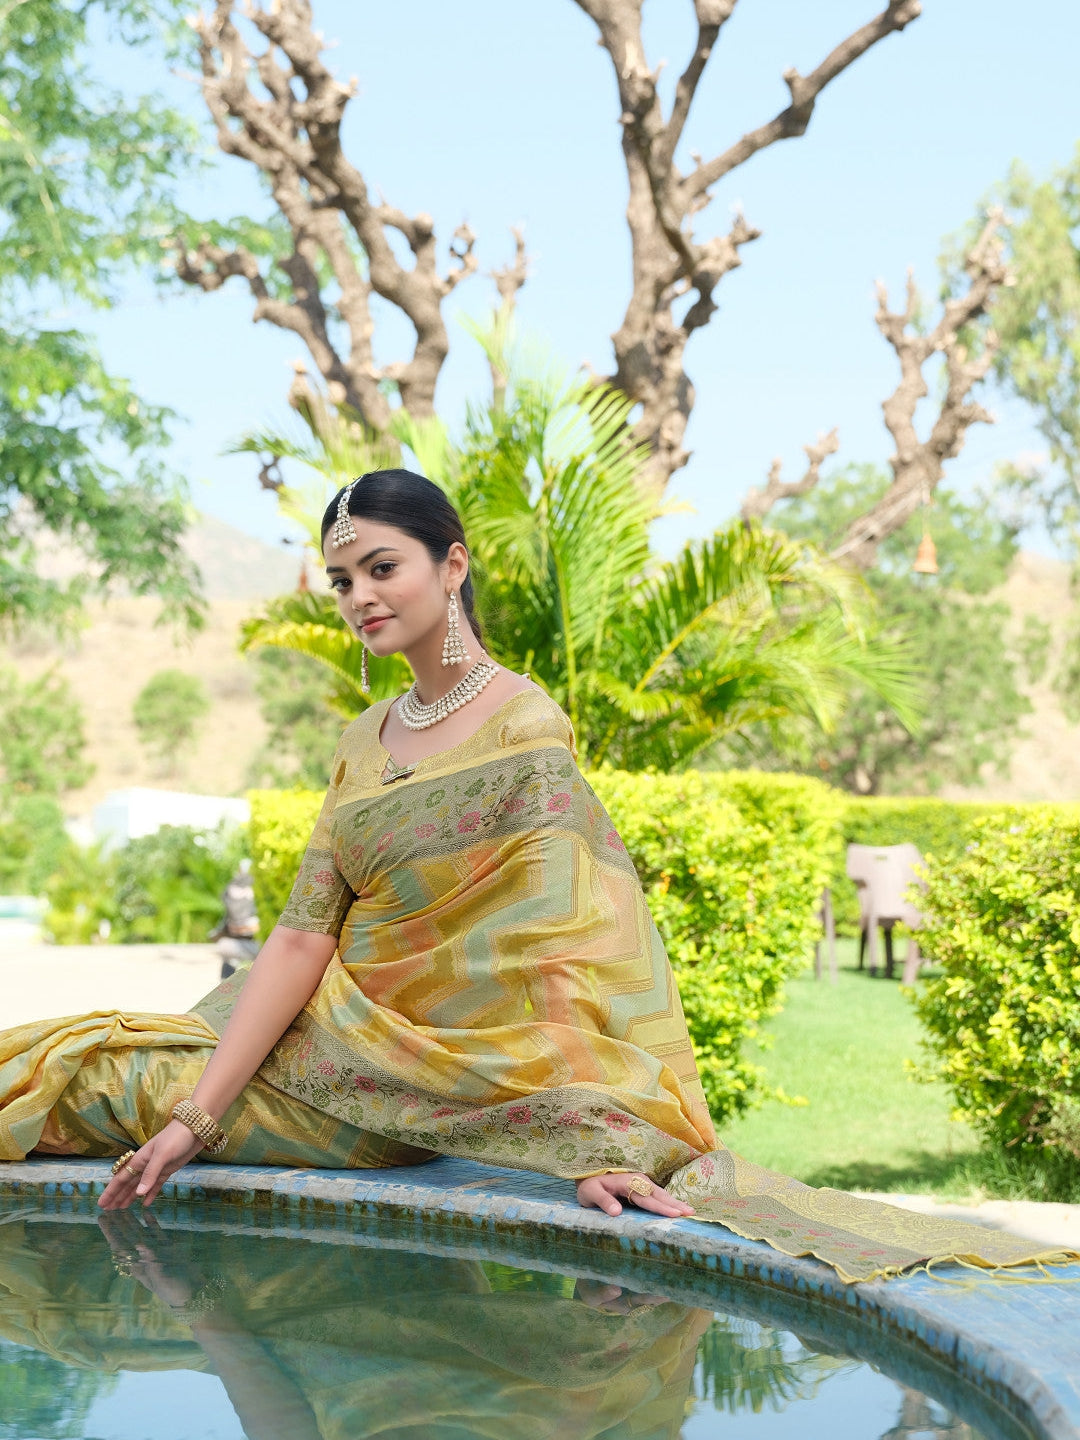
x,y
344,534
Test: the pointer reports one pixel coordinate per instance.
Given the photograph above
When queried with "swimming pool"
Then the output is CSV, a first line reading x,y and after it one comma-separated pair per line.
x,y
411,1317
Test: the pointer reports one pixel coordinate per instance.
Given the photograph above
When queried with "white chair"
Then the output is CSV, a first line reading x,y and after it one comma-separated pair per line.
x,y
883,876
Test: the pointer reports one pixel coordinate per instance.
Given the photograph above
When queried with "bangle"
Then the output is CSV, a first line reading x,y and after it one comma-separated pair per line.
x,y
202,1125
205,1299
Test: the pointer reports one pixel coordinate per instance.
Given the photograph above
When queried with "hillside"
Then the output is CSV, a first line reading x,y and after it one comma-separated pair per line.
x,y
122,644
121,647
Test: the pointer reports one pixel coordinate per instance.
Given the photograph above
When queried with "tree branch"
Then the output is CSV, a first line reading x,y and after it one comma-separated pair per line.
x,y
281,111
918,465
804,90
668,260
758,503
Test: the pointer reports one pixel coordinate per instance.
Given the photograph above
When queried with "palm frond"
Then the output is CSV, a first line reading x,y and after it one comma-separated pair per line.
x,y
299,623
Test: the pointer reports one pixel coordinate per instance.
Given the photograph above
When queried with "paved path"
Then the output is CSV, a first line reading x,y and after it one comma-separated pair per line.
x,y
39,981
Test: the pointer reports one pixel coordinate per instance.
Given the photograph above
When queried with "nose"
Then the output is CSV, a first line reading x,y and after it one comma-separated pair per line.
x,y
362,595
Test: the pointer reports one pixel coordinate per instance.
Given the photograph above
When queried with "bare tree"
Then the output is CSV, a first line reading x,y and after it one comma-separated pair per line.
x,y
758,503
669,261
918,465
282,110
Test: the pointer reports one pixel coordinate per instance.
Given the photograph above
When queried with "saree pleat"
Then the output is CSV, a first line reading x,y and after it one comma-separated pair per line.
x,y
499,992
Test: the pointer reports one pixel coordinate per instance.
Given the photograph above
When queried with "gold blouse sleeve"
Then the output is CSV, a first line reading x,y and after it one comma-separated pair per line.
x,y
321,896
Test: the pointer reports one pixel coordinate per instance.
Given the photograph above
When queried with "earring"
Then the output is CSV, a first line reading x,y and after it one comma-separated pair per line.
x,y
453,650
365,683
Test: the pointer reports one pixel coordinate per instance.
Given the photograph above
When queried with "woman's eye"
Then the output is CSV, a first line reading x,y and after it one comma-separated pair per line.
x,y
339,583
383,569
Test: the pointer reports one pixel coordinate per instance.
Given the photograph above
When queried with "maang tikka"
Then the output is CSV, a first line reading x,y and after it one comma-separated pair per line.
x,y
453,650
344,534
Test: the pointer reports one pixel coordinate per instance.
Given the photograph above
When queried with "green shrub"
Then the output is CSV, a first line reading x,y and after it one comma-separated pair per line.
x,y
167,712
1003,922
164,888
280,827
33,842
733,867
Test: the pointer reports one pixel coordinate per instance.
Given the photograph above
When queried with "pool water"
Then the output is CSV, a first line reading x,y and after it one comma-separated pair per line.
x,y
196,1327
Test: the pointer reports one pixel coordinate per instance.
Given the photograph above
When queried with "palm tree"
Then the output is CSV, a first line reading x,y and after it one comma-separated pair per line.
x,y
652,661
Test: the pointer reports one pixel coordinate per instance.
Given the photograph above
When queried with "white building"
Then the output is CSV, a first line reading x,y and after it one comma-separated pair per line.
x,y
127,814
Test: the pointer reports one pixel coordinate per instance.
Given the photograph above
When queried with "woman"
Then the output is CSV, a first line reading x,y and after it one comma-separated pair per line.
x,y
466,965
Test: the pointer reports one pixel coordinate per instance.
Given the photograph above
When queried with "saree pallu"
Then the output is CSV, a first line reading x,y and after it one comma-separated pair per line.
x,y
499,993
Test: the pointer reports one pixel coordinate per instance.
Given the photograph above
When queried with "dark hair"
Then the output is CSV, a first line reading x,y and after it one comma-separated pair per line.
x,y
413,504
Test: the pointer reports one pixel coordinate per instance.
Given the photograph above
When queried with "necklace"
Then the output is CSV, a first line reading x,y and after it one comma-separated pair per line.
x,y
415,715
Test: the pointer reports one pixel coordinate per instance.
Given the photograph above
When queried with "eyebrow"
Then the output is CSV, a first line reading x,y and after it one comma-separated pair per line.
x,y
379,550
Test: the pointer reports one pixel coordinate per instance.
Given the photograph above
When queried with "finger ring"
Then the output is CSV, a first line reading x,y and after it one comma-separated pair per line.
x,y
131,1171
122,1162
640,1186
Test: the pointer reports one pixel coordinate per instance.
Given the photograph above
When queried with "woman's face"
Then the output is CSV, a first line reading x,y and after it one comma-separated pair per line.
x,y
389,590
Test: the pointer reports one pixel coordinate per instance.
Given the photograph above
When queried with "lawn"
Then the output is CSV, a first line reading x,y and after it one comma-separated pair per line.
x,y
868,1124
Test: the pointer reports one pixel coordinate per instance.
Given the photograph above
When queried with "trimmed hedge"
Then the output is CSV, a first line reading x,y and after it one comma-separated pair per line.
x,y
280,826
733,867
1003,922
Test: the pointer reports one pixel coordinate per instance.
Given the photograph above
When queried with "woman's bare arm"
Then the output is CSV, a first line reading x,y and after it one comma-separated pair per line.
x,y
282,979
284,976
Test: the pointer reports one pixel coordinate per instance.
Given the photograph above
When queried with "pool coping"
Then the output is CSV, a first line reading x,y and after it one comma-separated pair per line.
x,y
1021,1347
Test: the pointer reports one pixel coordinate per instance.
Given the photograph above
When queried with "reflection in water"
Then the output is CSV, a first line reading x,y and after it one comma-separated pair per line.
x,y
315,1340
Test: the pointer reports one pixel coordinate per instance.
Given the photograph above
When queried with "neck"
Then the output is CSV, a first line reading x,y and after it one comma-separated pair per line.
x,y
433,678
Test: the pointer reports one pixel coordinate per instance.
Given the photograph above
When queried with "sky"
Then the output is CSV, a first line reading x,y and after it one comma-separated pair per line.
x,y
505,114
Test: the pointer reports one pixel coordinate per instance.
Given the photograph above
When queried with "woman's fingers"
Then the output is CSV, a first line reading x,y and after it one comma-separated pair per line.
x,y
593,1194
609,1192
120,1191
661,1203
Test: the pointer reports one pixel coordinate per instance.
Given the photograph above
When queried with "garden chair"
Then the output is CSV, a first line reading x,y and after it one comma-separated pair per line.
x,y
883,875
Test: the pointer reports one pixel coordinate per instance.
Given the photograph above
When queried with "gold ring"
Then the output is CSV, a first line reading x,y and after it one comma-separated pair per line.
x,y
640,1186
122,1162
130,1171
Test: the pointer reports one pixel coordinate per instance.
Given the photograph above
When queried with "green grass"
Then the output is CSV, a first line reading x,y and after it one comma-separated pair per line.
x,y
868,1124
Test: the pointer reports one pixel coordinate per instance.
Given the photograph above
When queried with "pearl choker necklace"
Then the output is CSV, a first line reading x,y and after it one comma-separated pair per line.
x,y
415,715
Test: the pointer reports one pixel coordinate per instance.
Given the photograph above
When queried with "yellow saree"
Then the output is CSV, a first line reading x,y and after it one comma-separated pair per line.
x,y
499,992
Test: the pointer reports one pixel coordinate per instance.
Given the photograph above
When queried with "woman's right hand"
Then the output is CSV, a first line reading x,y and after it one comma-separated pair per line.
x,y
148,1169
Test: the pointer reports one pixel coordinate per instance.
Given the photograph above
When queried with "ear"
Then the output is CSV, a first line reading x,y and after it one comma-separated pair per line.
x,y
457,565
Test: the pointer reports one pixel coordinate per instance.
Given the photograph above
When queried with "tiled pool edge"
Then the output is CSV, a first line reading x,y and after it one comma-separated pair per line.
x,y
1004,1342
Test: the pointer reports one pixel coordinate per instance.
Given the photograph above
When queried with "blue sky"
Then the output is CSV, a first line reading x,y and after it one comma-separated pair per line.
x,y
503,114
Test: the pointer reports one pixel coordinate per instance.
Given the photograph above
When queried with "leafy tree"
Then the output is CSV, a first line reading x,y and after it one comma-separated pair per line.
x,y
167,712
84,181
42,736
972,704
652,662
1037,321
303,729
42,755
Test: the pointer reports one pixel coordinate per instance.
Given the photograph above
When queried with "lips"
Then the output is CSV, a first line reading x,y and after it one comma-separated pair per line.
x,y
374,623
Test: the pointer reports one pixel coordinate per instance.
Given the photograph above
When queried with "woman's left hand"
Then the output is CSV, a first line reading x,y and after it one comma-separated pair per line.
x,y
604,1192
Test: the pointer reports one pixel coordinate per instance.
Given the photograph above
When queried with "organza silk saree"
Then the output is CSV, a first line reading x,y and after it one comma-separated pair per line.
x,y
499,992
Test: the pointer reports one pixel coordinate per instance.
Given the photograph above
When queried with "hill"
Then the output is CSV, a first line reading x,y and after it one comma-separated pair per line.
x,y
121,646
